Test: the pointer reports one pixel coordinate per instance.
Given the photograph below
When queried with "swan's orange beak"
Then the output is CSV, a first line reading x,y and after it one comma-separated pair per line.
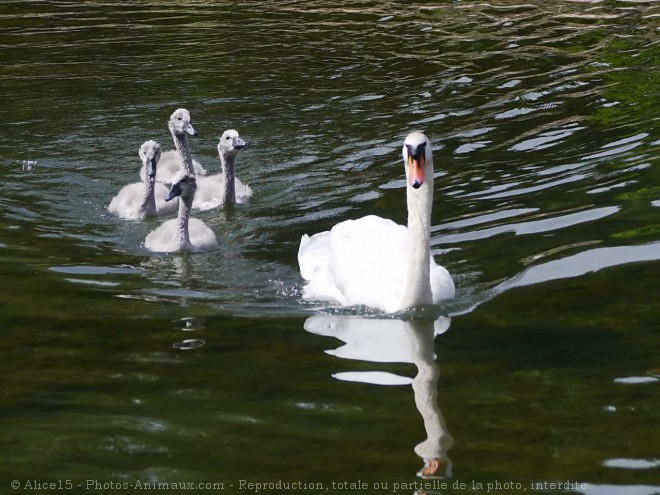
x,y
416,170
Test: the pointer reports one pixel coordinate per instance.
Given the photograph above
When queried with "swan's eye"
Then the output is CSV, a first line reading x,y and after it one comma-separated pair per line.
x,y
409,148
227,138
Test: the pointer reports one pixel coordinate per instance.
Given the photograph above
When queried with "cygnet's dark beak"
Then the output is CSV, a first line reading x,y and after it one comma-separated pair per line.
x,y
189,129
151,167
239,143
174,192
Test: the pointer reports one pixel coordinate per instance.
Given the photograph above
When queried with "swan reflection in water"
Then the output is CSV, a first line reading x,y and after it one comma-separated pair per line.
x,y
397,341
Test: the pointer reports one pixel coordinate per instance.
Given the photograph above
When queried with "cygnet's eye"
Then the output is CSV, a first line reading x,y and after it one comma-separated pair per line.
x,y
227,138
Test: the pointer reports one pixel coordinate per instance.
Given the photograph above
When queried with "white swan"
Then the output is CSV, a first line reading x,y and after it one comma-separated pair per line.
x,y
173,161
143,199
182,233
215,191
373,261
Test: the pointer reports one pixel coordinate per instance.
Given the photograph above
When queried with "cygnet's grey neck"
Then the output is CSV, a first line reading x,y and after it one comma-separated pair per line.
x,y
228,161
182,232
181,145
148,205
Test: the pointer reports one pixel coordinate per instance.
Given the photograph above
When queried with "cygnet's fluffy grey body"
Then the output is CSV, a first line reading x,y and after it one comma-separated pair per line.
x,y
217,191
182,233
144,199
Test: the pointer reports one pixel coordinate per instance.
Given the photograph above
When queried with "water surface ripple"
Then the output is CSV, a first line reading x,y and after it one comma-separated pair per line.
x,y
124,365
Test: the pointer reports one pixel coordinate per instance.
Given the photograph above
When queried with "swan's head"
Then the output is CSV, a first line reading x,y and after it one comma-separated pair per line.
x,y
231,143
183,185
150,154
418,158
180,123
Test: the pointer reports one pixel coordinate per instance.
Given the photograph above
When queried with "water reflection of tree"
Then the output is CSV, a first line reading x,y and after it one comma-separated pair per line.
x,y
631,83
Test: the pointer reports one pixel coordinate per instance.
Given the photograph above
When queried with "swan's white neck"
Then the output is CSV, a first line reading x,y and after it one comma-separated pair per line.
x,y
148,205
182,232
228,173
181,145
420,203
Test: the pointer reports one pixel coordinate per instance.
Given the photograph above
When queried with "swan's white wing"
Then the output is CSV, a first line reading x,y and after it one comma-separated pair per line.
x,y
163,238
363,262
358,262
442,285
314,260
210,190
126,204
243,192
162,206
201,235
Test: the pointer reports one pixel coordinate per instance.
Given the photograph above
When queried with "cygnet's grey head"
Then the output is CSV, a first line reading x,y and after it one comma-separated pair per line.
x,y
183,185
418,158
231,144
150,154
180,123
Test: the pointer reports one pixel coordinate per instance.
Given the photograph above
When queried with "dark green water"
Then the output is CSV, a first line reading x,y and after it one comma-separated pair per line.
x,y
119,366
